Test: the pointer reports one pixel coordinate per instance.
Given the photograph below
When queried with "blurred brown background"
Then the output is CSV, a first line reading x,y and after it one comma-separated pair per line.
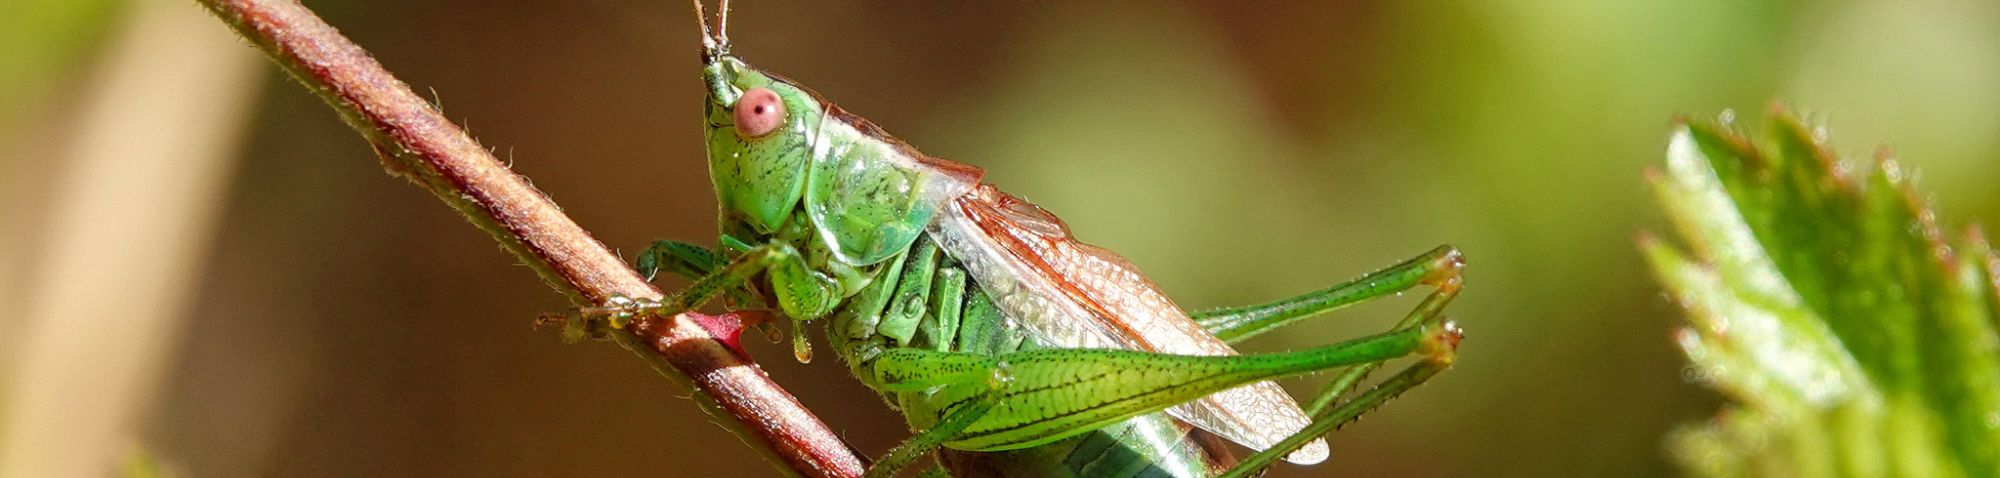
x,y
211,271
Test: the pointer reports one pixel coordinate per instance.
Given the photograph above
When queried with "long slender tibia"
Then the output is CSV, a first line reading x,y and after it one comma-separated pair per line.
x,y
1431,310
1402,382
929,440
980,379
1233,324
689,261
800,292
1428,313
731,275
692,262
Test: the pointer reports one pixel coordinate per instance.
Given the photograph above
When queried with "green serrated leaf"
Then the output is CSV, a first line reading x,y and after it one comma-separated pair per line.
x,y
1854,337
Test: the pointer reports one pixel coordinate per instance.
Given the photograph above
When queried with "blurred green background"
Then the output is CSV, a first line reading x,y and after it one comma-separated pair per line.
x,y
335,322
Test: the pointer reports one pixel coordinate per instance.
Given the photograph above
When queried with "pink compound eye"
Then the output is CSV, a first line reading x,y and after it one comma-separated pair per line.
x,y
759,112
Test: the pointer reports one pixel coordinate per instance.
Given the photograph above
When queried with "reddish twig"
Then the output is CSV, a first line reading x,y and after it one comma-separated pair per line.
x,y
415,141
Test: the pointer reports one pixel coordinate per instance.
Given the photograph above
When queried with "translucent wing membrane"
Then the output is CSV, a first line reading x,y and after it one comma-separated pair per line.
x,y
1078,295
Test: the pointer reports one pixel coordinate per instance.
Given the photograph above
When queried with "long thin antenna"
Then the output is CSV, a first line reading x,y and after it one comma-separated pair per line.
x,y
707,39
722,27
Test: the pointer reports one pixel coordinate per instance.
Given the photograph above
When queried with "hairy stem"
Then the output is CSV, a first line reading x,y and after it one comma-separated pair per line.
x,y
415,141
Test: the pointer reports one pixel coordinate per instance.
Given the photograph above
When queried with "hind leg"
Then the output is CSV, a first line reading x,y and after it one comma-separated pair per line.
x,y
1436,268
1329,414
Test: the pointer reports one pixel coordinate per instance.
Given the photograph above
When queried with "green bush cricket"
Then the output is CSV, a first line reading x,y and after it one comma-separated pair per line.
x,y
1010,347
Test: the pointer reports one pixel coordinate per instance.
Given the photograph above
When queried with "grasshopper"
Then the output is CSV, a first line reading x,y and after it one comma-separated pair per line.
x,y
1010,347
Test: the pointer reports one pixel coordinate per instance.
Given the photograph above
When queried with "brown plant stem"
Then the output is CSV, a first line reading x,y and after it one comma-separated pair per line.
x,y
415,141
